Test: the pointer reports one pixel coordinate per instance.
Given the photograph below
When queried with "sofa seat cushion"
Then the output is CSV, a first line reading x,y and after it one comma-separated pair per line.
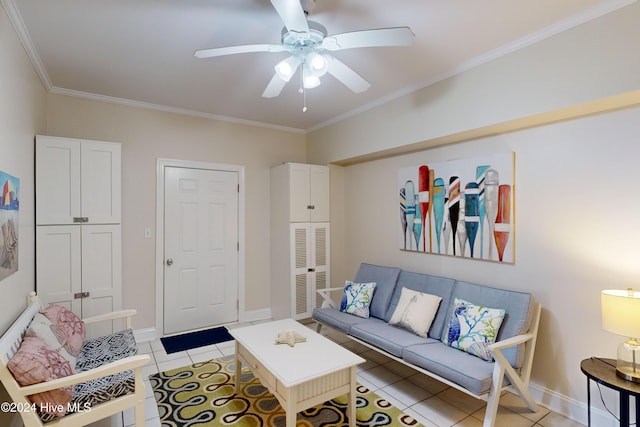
x,y
336,319
91,393
472,373
389,338
385,279
109,348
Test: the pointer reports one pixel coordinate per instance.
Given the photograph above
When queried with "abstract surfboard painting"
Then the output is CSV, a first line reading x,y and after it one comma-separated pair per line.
x,y
9,216
462,208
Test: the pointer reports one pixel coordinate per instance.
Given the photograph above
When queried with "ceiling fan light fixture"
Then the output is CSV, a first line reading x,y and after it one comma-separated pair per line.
x,y
318,63
310,80
287,68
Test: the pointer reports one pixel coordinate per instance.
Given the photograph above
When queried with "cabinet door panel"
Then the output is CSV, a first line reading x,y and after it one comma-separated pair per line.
x,y
100,192
101,275
58,265
299,192
57,180
319,193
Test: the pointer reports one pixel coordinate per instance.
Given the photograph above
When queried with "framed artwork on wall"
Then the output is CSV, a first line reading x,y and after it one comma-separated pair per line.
x,y
9,209
459,208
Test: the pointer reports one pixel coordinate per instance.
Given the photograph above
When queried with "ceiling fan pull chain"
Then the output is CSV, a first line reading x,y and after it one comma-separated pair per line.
x,y
302,91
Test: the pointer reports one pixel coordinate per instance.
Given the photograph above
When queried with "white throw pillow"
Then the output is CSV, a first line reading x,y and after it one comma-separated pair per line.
x,y
415,311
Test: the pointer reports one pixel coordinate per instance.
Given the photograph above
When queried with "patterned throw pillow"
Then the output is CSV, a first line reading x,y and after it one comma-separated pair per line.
x,y
52,335
70,325
35,362
415,311
357,298
472,328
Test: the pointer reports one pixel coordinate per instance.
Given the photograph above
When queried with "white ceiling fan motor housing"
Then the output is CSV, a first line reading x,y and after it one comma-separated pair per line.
x,y
308,6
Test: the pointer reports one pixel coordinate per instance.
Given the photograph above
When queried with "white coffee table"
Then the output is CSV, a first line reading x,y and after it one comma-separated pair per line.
x,y
302,376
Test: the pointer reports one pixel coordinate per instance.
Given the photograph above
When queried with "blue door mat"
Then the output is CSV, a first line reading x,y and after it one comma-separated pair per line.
x,y
195,339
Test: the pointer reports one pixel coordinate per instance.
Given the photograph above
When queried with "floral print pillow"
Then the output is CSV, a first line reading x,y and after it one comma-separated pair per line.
x,y
357,298
69,325
473,328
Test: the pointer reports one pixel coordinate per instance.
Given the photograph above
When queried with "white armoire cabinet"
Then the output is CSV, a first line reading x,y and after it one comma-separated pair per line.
x,y
78,232
300,234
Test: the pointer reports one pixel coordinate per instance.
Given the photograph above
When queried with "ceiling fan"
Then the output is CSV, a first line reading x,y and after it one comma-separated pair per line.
x,y
308,44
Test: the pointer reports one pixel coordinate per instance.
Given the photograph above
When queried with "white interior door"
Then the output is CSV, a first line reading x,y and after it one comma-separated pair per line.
x,y
201,248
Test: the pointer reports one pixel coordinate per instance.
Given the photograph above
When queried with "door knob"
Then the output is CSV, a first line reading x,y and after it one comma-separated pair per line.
x,y
170,261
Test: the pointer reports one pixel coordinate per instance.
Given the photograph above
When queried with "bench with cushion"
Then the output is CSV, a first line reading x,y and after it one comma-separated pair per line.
x,y
57,377
475,338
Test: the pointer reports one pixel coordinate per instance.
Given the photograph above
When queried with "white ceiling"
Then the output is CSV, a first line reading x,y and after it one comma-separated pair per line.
x,y
141,52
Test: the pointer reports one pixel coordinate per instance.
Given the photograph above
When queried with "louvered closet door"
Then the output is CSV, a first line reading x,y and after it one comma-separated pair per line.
x,y
301,262
320,258
310,260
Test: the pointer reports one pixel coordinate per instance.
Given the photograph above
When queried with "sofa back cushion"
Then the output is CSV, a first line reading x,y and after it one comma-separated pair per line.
x,y
385,279
518,308
440,286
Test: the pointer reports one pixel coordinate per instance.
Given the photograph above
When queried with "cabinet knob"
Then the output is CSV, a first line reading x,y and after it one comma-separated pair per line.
x,y
170,262
80,219
79,295
311,207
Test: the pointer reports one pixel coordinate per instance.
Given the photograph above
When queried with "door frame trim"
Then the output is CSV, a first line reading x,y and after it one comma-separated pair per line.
x,y
163,163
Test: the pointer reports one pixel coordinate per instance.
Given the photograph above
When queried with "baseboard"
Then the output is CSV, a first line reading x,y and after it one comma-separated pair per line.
x,y
256,315
572,408
149,334
146,334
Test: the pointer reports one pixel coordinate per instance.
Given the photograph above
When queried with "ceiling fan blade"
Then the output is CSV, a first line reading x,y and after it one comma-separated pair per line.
x,y
231,50
347,76
292,15
274,87
397,36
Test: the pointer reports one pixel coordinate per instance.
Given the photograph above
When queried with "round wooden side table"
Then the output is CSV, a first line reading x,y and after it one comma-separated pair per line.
x,y
603,371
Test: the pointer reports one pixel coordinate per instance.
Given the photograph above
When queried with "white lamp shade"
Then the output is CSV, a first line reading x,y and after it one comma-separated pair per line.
x,y
287,67
621,312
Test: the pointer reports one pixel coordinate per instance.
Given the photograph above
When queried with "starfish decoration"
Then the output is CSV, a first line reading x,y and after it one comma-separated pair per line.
x,y
290,337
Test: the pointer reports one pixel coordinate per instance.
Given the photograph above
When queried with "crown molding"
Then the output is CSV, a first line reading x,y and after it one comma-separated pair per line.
x,y
559,27
27,43
167,109
535,37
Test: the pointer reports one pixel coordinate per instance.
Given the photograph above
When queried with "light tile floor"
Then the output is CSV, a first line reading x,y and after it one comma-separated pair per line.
x,y
430,402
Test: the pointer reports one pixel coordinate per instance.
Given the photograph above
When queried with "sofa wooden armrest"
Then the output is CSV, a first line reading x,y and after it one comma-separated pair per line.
x,y
120,314
127,364
326,295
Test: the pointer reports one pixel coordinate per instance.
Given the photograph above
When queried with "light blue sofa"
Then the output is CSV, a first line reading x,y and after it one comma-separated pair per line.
x,y
512,351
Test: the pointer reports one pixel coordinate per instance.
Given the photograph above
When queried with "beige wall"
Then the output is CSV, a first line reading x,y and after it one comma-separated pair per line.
x,y
22,115
589,62
577,230
147,135
577,226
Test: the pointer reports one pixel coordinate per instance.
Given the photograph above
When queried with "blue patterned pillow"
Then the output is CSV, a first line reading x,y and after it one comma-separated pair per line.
x,y
356,298
472,328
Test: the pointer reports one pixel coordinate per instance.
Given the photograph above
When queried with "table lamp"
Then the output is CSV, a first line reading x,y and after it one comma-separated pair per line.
x,y
621,315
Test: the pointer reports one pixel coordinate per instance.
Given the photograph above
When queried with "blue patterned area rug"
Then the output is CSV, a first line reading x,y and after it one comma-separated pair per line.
x,y
203,394
195,339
